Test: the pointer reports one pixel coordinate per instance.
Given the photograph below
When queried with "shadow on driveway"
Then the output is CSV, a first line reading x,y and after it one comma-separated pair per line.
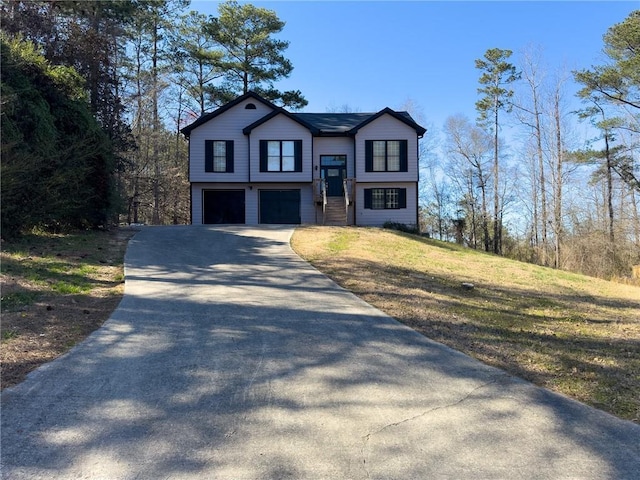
x,y
229,357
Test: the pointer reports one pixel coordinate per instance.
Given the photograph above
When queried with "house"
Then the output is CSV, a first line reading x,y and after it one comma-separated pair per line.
x,y
252,162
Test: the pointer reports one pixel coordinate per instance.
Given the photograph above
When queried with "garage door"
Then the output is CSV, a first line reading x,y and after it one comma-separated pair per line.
x,y
280,206
223,206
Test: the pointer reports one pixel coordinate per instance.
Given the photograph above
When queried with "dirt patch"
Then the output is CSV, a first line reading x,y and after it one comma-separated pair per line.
x,y
39,320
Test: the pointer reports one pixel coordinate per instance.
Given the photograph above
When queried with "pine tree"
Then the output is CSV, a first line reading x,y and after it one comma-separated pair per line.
x,y
497,74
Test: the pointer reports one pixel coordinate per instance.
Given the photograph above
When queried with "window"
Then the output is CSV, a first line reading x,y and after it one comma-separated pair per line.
x,y
218,156
280,155
250,106
385,198
386,156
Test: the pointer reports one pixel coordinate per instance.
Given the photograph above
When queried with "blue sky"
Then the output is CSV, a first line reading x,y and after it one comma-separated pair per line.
x,y
374,54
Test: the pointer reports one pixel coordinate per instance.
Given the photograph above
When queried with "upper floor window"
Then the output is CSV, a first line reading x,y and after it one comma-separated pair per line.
x,y
386,156
280,155
250,106
218,156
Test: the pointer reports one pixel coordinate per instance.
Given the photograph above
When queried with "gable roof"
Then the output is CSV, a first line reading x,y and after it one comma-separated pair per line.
x,y
350,123
208,116
333,122
280,111
319,124
404,117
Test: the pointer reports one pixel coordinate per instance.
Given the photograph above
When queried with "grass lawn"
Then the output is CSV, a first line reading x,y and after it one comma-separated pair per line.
x,y
567,332
56,290
570,333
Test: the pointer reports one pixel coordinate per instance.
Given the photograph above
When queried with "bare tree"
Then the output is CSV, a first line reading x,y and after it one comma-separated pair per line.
x,y
529,111
469,147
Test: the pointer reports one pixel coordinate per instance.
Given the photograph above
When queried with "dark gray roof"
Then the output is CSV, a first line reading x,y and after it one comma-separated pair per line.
x,y
334,122
318,123
350,123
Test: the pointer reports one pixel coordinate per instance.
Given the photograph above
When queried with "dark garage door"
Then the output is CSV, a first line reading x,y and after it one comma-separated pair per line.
x,y
280,206
223,206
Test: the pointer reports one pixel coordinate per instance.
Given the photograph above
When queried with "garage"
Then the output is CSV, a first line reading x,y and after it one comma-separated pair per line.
x,y
223,206
280,206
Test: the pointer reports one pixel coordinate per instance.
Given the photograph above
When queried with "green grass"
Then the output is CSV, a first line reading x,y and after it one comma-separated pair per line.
x,y
56,289
568,332
9,334
16,300
48,263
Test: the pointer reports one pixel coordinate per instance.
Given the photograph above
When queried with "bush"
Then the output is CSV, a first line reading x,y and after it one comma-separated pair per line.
x,y
56,160
402,227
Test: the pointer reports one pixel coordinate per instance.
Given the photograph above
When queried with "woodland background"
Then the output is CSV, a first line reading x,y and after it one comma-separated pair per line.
x,y
94,95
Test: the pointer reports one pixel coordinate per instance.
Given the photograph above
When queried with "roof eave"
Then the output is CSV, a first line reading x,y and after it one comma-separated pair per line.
x,y
279,110
388,111
186,131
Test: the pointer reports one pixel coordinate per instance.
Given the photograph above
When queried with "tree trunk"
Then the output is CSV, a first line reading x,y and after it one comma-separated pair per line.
x,y
543,188
485,216
636,218
201,99
607,154
557,207
155,129
497,247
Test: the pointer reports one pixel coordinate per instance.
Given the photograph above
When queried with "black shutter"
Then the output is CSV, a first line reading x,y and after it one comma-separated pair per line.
x,y
402,198
229,152
263,155
297,149
368,156
208,155
367,198
404,163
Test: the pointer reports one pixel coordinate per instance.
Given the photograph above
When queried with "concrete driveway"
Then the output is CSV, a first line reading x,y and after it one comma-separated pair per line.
x,y
231,358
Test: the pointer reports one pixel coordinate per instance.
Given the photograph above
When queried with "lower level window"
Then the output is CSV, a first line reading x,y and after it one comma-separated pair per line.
x,y
385,198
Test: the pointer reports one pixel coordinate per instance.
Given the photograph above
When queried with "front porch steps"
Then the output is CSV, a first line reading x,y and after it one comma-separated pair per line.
x,y
335,212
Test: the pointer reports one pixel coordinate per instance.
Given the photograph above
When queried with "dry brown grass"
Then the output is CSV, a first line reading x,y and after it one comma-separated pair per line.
x,y
570,333
56,290
573,334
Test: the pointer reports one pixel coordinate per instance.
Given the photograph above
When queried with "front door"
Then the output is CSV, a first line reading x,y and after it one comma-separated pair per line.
x,y
333,169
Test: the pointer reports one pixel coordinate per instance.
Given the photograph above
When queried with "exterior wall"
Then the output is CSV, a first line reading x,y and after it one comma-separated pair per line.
x,y
252,196
280,128
333,146
247,176
226,126
387,128
369,217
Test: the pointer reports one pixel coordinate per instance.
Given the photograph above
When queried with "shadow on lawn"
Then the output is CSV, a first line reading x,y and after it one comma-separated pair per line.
x,y
567,343
233,359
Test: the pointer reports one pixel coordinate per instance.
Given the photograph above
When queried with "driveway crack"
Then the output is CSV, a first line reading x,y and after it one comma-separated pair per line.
x,y
367,437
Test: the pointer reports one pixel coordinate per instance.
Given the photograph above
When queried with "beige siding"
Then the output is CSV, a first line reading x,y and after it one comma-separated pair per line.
x,y
226,126
369,217
281,128
333,146
387,128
